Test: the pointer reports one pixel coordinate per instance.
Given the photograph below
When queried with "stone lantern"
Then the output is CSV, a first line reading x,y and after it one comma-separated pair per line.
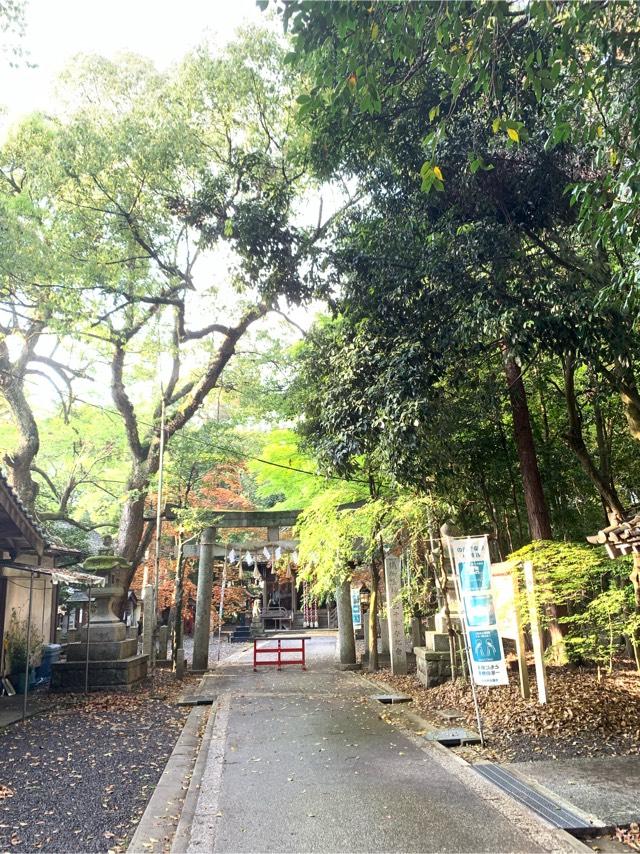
x,y
112,658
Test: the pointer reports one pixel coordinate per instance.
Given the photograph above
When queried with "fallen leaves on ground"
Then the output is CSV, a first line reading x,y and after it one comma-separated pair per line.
x,y
629,836
584,716
83,772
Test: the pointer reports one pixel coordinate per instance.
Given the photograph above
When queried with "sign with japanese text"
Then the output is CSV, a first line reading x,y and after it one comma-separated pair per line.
x,y
472,567
355,607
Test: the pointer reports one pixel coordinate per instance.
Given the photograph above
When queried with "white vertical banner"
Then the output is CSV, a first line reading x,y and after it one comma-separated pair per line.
x,y
472,568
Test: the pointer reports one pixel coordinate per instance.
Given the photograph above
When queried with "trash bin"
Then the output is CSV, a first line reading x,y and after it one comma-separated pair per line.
x,y
50,654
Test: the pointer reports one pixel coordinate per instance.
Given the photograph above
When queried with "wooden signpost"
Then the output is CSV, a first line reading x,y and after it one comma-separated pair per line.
x,y
536,633
504,582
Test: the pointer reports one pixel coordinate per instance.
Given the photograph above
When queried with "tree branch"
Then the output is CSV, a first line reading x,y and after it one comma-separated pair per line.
x,y
123,403
214,369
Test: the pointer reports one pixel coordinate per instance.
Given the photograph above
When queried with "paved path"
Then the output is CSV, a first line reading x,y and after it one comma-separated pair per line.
x,y
304,762
605,787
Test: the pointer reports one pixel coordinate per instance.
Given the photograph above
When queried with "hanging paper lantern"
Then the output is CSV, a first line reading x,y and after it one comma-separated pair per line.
x,y
232,556
265,552
278,553
248,559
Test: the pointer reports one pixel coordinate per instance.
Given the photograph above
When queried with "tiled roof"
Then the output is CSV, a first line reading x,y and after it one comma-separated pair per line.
x,y
12,508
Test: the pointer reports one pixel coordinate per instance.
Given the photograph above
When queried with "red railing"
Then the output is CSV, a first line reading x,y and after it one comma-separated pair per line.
x,y
279,651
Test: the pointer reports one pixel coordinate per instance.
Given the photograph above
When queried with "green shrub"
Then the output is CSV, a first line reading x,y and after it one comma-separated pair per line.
x,y
593,589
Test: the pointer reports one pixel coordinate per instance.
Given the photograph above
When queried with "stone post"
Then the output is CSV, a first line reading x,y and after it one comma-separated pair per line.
x,y
365,631
180,663
148,620
416,632
384,636
393,583
203,601
163,642
346,638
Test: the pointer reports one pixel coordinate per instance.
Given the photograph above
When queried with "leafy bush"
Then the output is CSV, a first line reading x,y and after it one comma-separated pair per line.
x,y
593,590
16,644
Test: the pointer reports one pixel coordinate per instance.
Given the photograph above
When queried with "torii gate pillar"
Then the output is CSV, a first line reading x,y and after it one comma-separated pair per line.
x,y
203,601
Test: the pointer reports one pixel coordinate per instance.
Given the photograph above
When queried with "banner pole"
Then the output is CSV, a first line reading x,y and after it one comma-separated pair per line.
x,y
221,609
466,640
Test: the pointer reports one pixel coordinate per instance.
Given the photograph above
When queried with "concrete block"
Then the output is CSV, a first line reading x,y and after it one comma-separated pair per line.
x,y
102,651
436,641
123,674
432,668
442,626
99,632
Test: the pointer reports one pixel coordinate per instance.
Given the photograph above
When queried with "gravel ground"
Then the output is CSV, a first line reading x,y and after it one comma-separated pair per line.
x,y
226,649
78,778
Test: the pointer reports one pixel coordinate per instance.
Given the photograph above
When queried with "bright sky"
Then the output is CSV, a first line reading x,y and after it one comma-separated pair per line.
x,y
163,30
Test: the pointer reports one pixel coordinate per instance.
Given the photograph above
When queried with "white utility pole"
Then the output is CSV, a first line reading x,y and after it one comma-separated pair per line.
x,y
156,584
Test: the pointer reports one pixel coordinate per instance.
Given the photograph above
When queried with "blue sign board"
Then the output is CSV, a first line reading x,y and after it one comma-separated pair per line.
x,y
474,575
479,609
470,557
356,611
485,645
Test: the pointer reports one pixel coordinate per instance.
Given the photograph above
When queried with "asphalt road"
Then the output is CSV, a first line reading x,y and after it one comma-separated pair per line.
x,y
305,762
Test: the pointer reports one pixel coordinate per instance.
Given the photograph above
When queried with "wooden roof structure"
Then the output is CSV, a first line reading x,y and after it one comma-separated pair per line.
x,y
623,538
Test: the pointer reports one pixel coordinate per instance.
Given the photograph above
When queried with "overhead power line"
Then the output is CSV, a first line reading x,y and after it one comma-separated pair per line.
x,y
225,448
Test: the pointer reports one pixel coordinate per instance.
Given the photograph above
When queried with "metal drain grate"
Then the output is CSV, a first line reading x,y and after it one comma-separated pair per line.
x,y
392,699
553,812
453,736
195,701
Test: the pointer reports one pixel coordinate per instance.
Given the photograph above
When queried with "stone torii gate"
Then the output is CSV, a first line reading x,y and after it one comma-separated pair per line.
x,y
272,520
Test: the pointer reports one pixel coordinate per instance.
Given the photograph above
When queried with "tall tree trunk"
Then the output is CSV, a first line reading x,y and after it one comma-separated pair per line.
x,y
512,480
131,526
145,453
22,457
575,440
537,511
630,396
12,377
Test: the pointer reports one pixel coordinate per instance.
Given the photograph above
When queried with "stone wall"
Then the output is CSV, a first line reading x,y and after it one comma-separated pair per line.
x,y
433,667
